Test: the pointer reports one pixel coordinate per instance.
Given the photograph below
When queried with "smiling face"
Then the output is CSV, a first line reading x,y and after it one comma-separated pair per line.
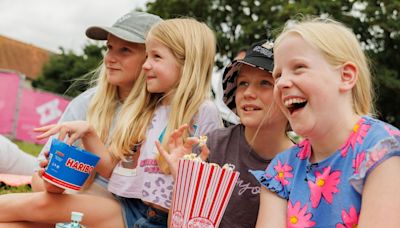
x,y
123,61
306,86
161,68
254,98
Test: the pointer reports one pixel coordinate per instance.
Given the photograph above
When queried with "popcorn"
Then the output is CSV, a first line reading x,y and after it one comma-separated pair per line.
x,y
192,157
201,192
202,140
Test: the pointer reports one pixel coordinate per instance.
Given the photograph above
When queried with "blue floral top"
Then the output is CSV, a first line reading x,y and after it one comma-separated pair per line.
x,y
319,194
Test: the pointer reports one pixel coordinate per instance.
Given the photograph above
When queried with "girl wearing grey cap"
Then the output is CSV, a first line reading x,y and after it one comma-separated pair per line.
x,y
99,106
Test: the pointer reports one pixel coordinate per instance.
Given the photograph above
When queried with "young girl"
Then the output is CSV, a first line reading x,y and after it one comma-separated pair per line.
x,y
99,106
251,144
344,173
177,76
114,81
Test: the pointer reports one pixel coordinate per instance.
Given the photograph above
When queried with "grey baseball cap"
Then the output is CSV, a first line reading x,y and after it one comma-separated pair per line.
x,y
131,27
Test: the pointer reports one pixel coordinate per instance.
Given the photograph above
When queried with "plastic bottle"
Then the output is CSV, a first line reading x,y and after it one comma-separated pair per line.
x,y
76,218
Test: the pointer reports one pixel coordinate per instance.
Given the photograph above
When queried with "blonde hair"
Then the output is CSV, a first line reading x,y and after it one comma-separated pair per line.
x,y
193,45
103,105
338,44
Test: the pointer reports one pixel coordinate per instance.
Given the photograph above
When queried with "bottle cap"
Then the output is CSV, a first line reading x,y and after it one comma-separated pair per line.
x,y
76,216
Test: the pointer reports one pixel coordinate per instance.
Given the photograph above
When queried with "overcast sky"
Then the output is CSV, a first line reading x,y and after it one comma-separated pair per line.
x,y
51,24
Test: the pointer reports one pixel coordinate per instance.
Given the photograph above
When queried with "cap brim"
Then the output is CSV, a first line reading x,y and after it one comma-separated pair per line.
x,y
263,64
101,33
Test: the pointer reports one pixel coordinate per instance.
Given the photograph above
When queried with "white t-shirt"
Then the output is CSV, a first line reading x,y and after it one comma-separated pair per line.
x,y
13,160
77,110
146,181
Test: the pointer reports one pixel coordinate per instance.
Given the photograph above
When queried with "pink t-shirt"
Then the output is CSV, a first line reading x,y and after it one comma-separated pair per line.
x,y
146,181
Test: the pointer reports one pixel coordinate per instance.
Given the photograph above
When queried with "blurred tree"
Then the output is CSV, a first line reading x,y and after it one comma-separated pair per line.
x,y
239,23
67,73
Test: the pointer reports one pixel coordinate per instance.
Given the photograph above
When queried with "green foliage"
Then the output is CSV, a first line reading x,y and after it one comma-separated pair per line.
x,y
63,70
240,23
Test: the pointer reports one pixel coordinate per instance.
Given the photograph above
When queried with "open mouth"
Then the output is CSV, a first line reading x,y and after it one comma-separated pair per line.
x,y
295,104
250,108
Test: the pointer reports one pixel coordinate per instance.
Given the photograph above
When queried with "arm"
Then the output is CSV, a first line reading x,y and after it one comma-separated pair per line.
x,y
272,212
76,110
380,197
82,130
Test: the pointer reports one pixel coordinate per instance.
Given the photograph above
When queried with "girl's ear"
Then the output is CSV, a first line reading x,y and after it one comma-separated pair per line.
x,y
348,76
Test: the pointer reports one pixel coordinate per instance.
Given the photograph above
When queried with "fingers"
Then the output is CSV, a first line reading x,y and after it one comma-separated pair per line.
x,y
175,139
43,164
48,131
161,150
190,142
205,152
72,137
52,188
40,172
44,128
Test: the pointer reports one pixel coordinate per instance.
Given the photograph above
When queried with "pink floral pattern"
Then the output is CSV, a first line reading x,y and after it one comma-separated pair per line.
x,y
324,186
298,216
305,150
360,130
358,161
350,220
335,183
375,156
392,131
283,172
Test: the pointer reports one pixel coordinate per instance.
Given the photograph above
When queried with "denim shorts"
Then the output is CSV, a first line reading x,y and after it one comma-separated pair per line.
x,y
139,215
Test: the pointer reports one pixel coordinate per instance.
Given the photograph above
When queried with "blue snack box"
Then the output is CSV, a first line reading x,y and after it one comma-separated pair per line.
x,y
69,166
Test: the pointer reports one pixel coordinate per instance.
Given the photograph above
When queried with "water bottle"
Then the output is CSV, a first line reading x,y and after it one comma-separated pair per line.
x,y
76,218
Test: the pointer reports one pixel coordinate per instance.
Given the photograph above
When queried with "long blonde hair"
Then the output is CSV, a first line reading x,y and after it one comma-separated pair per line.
x,y
193,45
338,44
103,105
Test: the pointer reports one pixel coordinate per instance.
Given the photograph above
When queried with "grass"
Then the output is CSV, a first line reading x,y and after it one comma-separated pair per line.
x,y
29,148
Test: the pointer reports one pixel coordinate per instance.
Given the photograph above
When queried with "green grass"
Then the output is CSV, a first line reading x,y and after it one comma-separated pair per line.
x,y
5,189
29,148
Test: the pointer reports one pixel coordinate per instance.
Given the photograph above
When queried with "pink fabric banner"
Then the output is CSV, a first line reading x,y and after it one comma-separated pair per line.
x,y
38,109
9,83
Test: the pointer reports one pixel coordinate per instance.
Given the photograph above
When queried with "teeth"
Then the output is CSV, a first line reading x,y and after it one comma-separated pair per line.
x,y
289,102
249,108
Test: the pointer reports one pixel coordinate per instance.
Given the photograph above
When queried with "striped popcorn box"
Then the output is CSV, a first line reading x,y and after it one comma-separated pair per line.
x,y
201,194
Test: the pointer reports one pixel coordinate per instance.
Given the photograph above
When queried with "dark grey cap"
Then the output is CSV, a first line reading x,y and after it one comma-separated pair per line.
x,y
259,55
131,27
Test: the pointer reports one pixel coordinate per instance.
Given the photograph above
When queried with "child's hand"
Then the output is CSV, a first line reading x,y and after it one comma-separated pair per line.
x,y
48,186
177,148
74,130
